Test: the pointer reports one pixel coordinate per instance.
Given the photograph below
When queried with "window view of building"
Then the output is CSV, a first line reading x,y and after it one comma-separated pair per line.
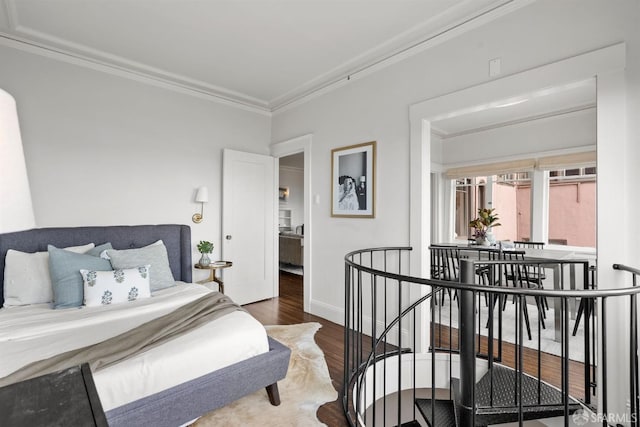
x,y
510,196
571,205
512,199
469,198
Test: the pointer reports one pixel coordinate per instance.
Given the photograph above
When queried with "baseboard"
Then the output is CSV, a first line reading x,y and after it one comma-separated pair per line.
x,y
336,315
327,311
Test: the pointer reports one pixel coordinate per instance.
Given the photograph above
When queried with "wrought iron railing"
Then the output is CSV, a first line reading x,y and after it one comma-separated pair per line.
x,y
414,344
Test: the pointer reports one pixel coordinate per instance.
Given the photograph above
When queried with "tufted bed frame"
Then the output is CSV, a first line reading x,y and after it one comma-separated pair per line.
x,y
185,402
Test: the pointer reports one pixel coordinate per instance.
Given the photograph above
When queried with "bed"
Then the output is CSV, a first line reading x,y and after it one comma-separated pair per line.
x,y
173,383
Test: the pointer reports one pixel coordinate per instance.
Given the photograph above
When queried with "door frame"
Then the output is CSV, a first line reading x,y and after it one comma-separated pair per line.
x,y
301,144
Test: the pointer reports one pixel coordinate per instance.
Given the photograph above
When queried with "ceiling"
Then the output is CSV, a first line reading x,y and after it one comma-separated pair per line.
x,y
569,99
258,54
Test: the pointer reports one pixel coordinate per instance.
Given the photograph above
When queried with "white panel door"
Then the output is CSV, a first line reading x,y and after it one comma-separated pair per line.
x,y
248,225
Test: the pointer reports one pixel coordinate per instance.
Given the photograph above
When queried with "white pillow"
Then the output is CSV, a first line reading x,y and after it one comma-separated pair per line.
x,y
27,279
113,287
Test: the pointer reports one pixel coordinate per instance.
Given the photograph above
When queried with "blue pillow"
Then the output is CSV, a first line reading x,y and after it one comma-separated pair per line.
x,y
65,266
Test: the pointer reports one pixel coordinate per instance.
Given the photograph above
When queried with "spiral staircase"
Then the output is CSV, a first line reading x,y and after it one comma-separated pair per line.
x,y
497,401
476,378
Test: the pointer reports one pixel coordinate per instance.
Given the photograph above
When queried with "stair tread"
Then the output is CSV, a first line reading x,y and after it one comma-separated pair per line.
x,y
528,409
457,408
413,423
504,407
444,412
505,391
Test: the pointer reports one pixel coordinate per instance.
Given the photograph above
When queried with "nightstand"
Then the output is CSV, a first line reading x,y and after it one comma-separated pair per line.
x,y
213,267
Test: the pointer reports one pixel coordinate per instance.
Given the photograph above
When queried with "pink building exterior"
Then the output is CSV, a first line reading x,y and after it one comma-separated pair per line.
x,y
507,207
572,212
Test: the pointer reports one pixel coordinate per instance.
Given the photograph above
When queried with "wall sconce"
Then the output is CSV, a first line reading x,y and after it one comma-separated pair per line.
x,y
283,193
202,197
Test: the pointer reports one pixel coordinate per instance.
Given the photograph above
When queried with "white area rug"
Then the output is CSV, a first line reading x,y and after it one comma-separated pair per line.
x,y
306,387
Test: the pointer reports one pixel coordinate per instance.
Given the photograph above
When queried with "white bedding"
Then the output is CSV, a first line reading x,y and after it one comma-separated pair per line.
x,y
35,332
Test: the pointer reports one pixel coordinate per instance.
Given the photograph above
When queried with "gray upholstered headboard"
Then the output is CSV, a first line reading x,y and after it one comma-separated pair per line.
x,y
177,239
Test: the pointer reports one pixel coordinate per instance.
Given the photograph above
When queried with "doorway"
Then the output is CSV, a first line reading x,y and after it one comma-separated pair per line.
x,y
294,207
291,219
291,230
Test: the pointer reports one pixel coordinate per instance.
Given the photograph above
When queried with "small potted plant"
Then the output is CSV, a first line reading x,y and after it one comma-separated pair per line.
x,y
205,248
479,232
482,225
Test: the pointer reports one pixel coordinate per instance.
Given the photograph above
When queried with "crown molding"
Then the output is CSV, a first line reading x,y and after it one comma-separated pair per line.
x,y
438,132
28,39
458,27
411,42
140,73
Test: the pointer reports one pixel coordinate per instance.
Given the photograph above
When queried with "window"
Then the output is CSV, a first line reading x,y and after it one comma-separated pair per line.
x,y
572,207
557,190
509,194
470,196
512,201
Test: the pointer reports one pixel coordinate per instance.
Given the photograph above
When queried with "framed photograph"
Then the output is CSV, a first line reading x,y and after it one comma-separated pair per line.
x,y
353,172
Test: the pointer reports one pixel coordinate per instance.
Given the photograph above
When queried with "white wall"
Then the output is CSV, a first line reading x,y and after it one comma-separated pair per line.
x,y
633,131
102,150
376,108
293,178
437,144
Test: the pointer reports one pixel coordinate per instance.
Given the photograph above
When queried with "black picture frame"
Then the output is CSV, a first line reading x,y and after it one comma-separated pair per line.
x,y
353,172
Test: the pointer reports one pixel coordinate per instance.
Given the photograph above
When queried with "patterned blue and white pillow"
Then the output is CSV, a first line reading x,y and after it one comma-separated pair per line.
x,y
113,287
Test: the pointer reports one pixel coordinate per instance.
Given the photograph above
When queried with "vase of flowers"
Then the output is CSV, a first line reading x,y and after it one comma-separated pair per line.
x,y
205,248
482,226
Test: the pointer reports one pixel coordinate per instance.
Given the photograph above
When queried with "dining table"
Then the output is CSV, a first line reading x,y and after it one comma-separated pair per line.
x,y
476,252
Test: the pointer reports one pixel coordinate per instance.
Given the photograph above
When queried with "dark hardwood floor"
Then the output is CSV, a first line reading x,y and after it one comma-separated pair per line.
x,y
549,369
288,309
